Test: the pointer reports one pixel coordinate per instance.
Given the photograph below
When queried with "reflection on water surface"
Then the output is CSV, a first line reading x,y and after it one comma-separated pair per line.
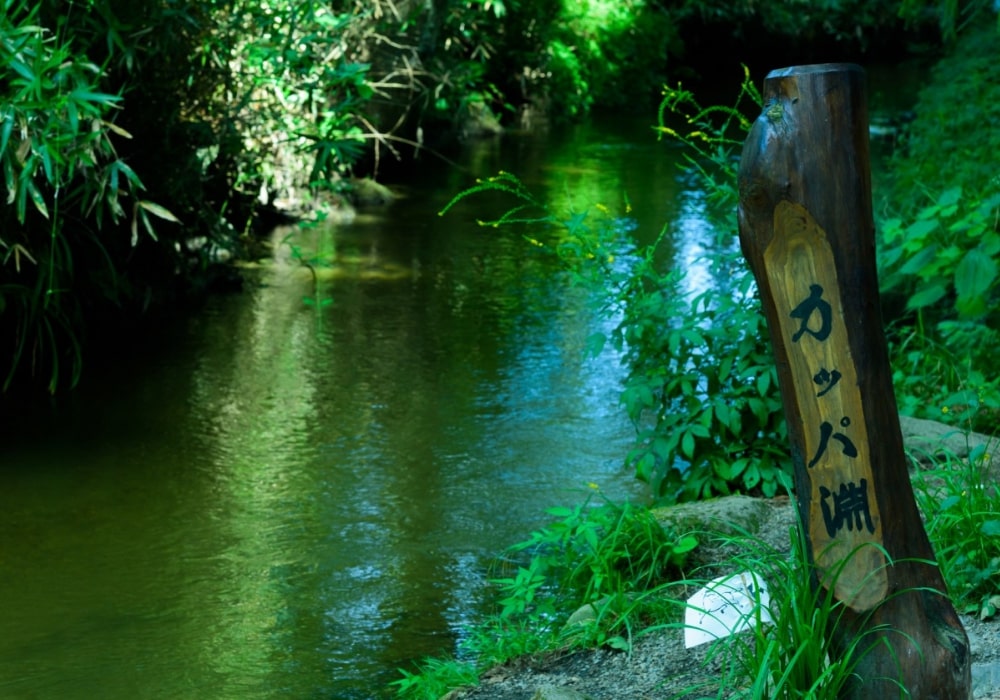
x,y
300,488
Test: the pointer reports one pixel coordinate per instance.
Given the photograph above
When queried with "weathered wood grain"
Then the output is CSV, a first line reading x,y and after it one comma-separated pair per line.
x,y
806,230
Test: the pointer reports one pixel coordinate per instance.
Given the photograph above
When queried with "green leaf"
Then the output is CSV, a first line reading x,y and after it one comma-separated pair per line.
x,y
116,129
991,528
701,429
725,368
595,343
759,409
687,444
891,230
10,179
147,223
157,210
919,261
673,343
730,470
100,98
693,337
929,294
891,255
974,276
950,197
763,383
685,544
950,502
722,412
917,232
36,198
8,126
22,69
130,175
619,643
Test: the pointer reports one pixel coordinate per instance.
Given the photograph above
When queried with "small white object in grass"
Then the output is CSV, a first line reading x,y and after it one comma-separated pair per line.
x,y
726,606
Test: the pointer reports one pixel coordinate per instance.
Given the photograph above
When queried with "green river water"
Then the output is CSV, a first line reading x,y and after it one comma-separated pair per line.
x,y
278,498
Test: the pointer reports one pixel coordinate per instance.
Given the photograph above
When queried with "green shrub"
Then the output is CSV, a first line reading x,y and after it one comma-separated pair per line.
x,y
433,678
597,551
946,257
702,391
701,384
939,247
939,375
605,557
65,185
961,502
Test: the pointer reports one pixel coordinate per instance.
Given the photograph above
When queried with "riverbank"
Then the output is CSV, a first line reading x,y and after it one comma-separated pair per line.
x,y
658,665
737,533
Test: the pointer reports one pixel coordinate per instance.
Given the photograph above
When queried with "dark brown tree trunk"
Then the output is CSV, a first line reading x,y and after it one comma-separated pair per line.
x,y
806,229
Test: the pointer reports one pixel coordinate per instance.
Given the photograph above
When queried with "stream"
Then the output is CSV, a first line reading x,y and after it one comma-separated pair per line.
x,y
301,488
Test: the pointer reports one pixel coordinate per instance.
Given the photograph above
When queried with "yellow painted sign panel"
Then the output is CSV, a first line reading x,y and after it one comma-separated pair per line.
x,y
844,520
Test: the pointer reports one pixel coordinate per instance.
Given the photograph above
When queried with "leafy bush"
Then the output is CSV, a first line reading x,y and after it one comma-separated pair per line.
x,y
939,250
961,502
218,105
701,386
946,255
592,551
603,557
851,23
945,264
702,368
433,678
941,375
65,183
275,92
610,52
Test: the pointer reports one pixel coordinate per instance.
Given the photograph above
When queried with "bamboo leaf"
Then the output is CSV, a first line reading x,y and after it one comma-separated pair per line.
x,y
43,151
148,224
19,252
117,129
8,127
100,98
37,199
10,178
159,211
130,175
22,203
22,69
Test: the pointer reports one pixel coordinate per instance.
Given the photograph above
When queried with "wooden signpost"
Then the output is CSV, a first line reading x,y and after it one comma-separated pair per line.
x,y
806,230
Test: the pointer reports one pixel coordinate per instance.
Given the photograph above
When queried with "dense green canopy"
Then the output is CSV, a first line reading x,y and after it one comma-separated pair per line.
x,y
132,129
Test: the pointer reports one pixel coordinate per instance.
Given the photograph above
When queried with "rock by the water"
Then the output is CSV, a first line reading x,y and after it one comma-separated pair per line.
x,y
927,439
727,514
365,192
552,692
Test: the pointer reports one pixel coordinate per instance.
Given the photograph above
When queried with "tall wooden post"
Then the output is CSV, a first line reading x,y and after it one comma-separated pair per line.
x,y
806,230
